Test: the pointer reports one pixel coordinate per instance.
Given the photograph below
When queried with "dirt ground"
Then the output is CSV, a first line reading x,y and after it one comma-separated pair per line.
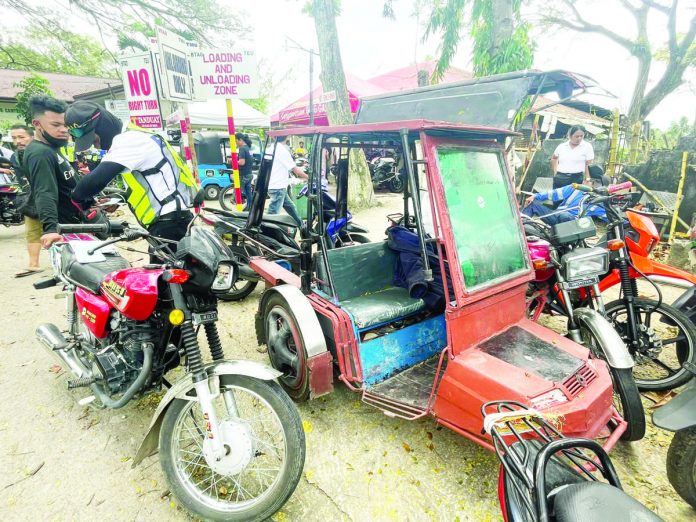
x,y
63,462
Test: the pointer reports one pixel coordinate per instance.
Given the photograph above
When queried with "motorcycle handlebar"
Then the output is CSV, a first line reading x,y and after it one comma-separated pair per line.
x,y
112,228
619,186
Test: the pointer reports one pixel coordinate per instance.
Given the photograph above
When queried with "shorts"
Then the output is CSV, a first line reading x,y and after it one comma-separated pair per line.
x,y
33,229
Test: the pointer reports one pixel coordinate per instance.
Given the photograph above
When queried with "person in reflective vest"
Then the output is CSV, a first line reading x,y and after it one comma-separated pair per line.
x,y
161,191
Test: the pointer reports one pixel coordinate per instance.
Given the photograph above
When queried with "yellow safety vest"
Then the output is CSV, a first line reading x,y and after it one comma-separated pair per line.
x,y
140,196
69,151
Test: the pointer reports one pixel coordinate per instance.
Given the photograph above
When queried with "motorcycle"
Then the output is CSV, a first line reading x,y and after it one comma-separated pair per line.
x,y
230,441
660,337
679,416
275,239
546,477
385,173
563,266
11,196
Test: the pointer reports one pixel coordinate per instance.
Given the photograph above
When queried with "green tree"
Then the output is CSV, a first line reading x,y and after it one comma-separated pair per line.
x,y
333,78
30,85
669,138
679,55
501,39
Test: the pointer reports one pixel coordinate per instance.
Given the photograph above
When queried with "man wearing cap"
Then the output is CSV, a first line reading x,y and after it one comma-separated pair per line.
x,y
160,187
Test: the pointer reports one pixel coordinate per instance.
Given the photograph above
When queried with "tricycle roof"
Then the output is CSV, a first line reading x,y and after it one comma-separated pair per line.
x,y
376,130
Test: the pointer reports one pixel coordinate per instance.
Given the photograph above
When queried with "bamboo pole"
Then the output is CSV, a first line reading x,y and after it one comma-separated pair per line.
x,y
680,196
614,144
234,159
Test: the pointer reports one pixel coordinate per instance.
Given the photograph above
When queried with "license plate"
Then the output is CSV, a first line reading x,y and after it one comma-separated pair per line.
x,y
570,285
204,318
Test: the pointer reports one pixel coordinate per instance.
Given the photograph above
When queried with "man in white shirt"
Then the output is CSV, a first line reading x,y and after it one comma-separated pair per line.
x,y
570,160
283,164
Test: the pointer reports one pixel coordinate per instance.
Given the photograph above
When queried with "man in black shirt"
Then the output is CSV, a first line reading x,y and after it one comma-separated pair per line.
x,y
246,163
51,176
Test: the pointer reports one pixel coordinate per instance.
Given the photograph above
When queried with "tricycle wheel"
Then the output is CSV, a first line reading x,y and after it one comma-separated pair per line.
x,y
286,347
212,192
681,464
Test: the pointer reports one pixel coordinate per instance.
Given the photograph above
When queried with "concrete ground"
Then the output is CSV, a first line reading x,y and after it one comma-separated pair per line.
x,y
64,462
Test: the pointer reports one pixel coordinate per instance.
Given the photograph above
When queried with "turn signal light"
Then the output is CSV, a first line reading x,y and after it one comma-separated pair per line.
x,y
540,264
615,244
176,317
176,276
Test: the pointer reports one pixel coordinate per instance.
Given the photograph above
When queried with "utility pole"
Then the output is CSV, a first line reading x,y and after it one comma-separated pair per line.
x,y
312,53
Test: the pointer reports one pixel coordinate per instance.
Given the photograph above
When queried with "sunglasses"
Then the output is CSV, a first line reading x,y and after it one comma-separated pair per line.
x,y
78,130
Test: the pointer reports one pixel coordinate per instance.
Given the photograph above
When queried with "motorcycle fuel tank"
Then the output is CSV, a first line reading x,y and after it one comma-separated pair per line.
x,y
94,311
132,291
539,249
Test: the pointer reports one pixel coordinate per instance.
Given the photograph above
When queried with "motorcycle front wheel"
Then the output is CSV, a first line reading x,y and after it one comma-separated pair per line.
x,y
681,464
667,342
262,466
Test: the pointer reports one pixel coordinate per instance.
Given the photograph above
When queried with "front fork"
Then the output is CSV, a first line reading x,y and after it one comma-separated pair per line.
x,y
630,291
207,388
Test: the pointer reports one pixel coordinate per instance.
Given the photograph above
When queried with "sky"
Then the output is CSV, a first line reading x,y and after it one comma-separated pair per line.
x,y
372,45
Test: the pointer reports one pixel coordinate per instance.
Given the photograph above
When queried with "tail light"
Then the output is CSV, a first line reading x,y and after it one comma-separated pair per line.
x,y
176,276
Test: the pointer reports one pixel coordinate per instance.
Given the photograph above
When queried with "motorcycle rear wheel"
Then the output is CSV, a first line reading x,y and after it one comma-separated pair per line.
x,y
681,464
226,198
667,370
212,496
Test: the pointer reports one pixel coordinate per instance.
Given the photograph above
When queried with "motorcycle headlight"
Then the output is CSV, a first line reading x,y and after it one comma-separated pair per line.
x,y
224,278
583,263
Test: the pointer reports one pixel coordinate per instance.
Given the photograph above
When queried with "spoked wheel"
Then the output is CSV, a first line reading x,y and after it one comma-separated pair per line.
x,y
626,395
666,342
262,433
227,199
286,348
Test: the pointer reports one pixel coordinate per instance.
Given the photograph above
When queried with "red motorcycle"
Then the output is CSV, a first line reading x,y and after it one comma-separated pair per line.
x,y
230,440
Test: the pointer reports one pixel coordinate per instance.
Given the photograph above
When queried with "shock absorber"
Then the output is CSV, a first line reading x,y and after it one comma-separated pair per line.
x,y
193,351
214,342
628,285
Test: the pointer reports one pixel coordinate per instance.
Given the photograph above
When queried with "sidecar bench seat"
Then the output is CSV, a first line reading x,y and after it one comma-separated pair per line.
x,y
363,277
597,502
276,219
90,275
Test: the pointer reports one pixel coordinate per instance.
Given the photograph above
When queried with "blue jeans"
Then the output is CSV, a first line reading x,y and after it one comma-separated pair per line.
x,y
279,197
542,211
246,191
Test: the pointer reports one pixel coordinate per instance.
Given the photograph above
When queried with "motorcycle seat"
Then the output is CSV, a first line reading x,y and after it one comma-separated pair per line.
x,y
90,275
598,502
277,219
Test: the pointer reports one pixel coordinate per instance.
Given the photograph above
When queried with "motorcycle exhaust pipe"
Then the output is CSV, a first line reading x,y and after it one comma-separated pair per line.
x,y
51,337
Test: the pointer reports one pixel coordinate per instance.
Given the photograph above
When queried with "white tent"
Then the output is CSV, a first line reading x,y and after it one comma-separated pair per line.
x,y
213,114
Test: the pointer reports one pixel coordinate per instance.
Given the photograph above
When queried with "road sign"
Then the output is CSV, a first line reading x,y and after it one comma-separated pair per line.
x,y
225,73
177,82
138,75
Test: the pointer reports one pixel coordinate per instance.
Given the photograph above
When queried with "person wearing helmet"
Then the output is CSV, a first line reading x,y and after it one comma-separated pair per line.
x,y
160,188
572,201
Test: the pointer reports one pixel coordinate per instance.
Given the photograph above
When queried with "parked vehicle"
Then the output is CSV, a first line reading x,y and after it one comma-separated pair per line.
x,y
679,416
385,317
564,265
10,195
230,441
385,172
661,338
214,167
274,239
547,477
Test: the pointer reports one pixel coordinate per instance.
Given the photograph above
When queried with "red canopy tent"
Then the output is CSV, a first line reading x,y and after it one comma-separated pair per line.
x,y
297,113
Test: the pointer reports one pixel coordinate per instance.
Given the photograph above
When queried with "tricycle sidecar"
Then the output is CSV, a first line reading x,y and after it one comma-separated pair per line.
x,y
431,320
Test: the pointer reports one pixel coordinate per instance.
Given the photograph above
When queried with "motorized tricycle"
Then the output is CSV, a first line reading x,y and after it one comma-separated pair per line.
x,y
437,326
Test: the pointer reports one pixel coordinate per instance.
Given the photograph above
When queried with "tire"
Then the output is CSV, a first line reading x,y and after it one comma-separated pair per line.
x,y
286,347
396,184
194,498
359,238
227,200
240,289
677,353
681,464
212,192
626,395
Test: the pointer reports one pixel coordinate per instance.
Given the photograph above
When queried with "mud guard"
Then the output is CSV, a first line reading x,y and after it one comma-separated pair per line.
x,y
679,413
319,359
615,352
183,389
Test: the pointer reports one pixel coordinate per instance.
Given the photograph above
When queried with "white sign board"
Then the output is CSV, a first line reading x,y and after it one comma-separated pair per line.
x,y
175,67
138,75
225,73
118,108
